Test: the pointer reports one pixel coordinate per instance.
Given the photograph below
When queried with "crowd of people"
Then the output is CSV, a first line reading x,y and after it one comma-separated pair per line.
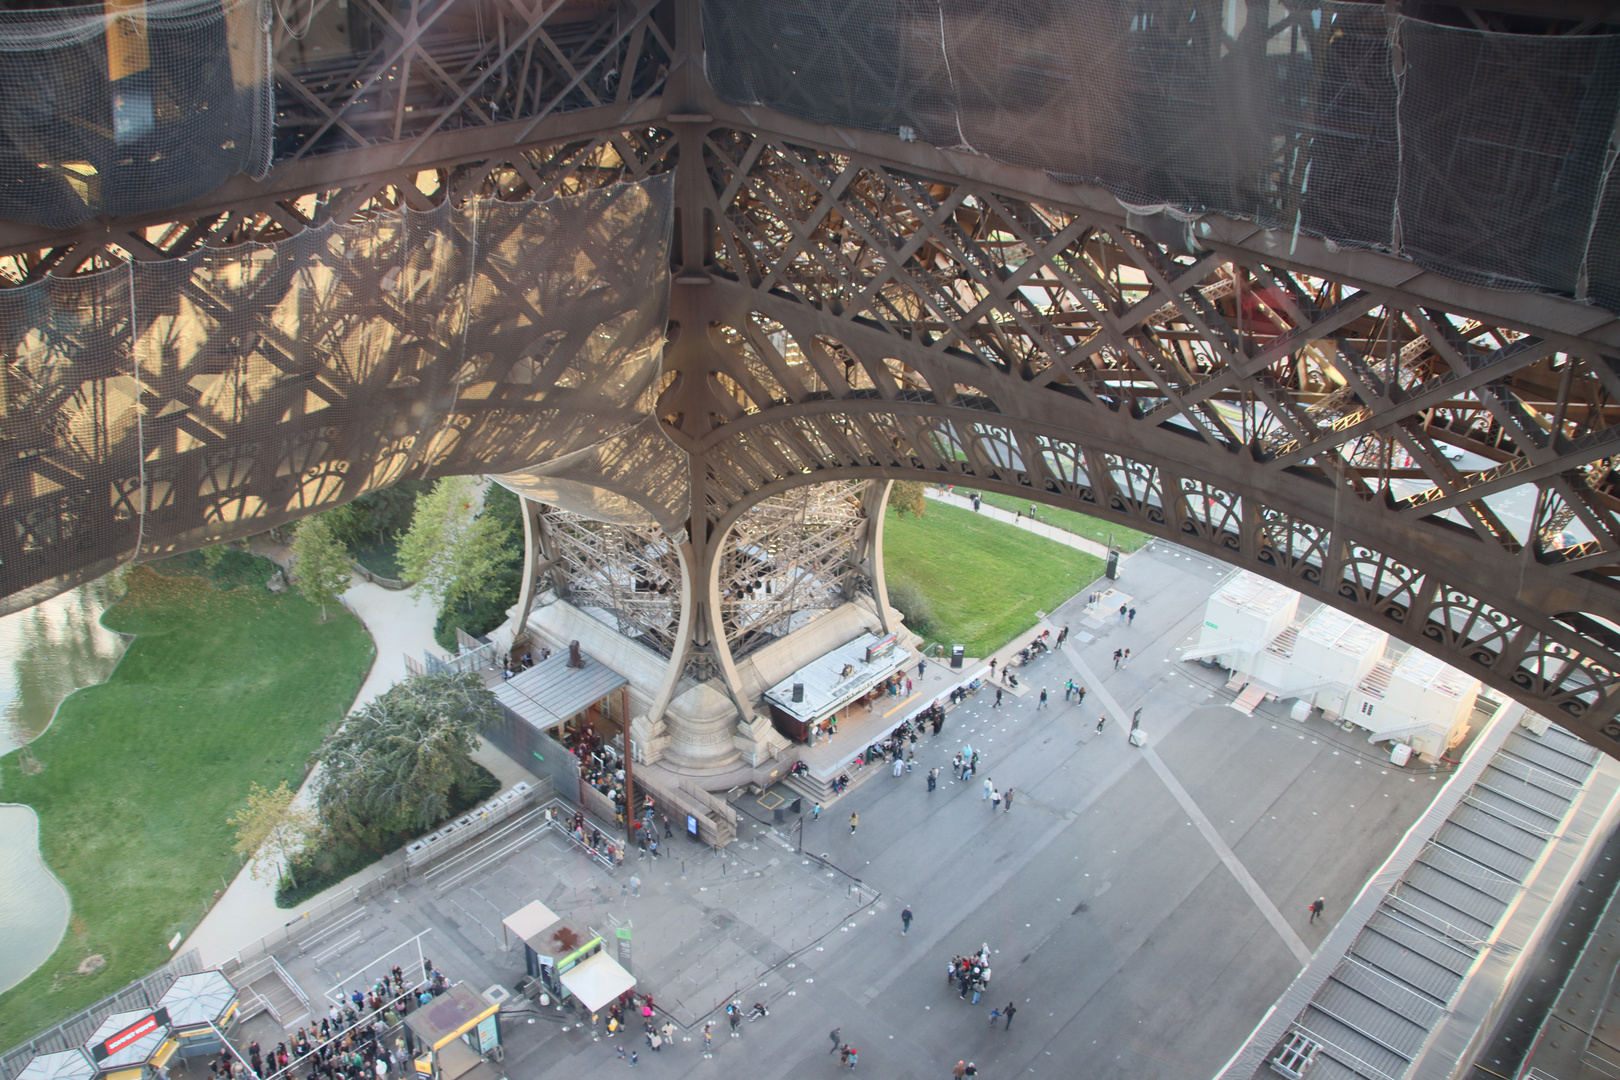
x,y
346,1043
970,974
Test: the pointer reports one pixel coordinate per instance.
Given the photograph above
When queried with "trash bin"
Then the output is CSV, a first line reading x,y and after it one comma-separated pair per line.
x,y
958,652
1113,565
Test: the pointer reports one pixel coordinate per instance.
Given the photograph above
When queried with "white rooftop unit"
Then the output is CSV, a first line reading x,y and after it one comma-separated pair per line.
x,y
1417,700
1246,613
1337,648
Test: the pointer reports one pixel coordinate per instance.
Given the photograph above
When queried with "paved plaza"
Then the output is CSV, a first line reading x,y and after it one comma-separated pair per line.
x,y
1144,906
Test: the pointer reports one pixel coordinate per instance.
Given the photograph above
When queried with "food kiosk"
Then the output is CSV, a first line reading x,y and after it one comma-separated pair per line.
x,y
201,1007
455,1031
132,1045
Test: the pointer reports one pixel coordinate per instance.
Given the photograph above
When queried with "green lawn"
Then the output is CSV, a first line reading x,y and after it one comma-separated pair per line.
x,y
219,689
985,579
1069,520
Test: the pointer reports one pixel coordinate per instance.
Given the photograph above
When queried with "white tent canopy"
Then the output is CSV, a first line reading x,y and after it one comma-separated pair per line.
x,y
597,981
530,921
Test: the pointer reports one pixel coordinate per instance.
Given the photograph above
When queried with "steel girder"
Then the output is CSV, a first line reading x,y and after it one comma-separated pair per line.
x,y
1432,456
1442,474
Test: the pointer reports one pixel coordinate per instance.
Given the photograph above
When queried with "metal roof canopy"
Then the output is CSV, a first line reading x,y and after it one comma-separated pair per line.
x,y
597,980
826,688
551,692
130,1051
530,922
198,1000
451,1014
67,1065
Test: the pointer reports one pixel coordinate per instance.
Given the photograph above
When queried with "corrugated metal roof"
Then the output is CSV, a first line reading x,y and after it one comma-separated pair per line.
x,y
836,678
1375,1013
1483,850
551,691
1550,757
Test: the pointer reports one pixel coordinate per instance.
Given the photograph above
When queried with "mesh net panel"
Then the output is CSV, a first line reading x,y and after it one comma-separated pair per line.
x,y
161,406
1487,150
154,113
1503,140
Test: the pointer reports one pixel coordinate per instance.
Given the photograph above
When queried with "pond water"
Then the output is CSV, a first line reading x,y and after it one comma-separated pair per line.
x,y
33,905
46,652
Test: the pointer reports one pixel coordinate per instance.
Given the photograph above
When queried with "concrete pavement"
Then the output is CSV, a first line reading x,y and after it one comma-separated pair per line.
x,y
1116,917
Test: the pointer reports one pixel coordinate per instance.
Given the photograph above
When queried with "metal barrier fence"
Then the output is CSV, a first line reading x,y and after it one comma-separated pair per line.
x,y
75,1031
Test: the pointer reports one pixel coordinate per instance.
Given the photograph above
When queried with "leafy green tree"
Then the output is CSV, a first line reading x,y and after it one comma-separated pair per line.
x,y
272,828
377,516
320,562
451,550
907,497
390,768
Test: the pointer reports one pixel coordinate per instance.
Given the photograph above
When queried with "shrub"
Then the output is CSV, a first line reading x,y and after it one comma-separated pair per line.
x,y
908,597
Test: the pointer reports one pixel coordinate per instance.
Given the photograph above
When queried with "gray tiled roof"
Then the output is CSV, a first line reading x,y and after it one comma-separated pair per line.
x,y
1375,1013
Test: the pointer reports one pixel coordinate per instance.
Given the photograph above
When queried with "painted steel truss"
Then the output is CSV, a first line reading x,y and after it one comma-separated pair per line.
x,y
1437,458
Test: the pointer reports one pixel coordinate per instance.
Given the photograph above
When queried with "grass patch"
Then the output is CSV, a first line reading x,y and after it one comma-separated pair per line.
x,y
985,579
1068,520
220,688
324,868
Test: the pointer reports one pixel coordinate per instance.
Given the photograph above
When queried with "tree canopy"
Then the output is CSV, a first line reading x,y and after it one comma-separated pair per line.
x,y
908,497
320,562
390,768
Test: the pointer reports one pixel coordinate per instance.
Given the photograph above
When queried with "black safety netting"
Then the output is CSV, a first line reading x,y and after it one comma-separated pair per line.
x,y
130,107
162,406
1483,156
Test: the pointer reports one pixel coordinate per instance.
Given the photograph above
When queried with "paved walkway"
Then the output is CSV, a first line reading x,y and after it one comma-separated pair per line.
x,y
398,624
1039,528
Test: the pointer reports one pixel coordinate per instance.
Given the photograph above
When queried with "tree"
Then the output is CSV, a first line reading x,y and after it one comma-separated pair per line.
x,y
320,562
272,827
450,550
390,768
907,498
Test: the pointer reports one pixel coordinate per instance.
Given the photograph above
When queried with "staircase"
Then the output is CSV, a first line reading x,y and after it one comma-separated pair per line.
x,y
1252,695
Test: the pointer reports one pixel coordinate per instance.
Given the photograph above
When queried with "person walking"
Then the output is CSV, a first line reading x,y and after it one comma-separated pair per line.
x,y
905,920
997,705
933,777
708,1039
815,812
1008,796
1008,1013
1042,703
995,1014
855,819
1117,654
1130,617
1101,720
995,800
834,1036
1079,695
989,786
1316,907
920,665
1126,662
959,1070
1122,610
1063,635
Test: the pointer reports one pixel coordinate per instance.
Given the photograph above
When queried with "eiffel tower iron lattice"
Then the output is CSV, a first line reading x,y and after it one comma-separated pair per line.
x,y
1406,433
